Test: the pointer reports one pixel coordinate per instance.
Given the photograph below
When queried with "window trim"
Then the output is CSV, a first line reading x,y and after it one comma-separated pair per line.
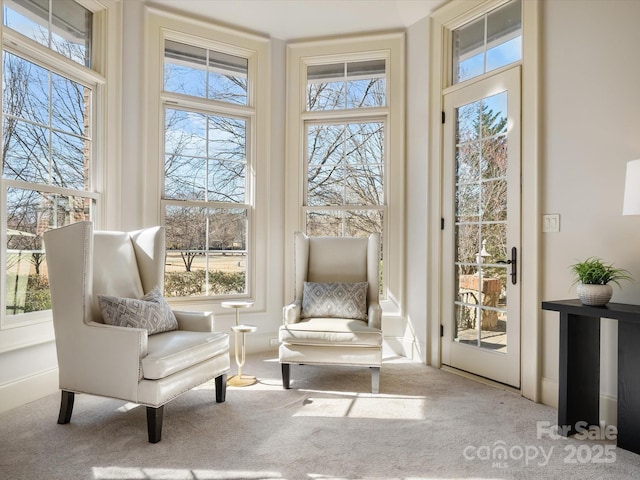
x,y
390,46
161,25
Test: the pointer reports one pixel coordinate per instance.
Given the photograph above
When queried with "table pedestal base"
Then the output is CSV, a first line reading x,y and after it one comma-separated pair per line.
x,y
241,381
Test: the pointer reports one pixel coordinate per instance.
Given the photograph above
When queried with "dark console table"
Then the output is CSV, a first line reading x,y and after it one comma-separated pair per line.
x,y
579,379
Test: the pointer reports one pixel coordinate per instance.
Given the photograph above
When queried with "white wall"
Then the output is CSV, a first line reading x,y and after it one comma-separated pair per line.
x,y
132,182
590,129
416,284
276,296
26,372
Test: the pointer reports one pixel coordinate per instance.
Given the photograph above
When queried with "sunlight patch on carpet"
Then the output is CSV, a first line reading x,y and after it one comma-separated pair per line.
x,y
129,473
132,473
318,476
386,408
127,406
262,384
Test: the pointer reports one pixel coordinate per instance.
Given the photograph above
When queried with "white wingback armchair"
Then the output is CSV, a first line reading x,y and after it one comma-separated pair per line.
x,y
118,361
329,269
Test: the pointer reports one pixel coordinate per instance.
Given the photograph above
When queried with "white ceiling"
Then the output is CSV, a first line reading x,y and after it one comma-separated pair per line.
x,y
296,19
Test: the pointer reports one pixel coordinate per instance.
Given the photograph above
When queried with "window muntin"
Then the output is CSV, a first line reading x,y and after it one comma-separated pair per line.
x,y
200,72
64,26
344,85
490,42
206,199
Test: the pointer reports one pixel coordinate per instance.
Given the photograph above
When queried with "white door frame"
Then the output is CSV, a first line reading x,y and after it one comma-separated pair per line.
x,y
443,21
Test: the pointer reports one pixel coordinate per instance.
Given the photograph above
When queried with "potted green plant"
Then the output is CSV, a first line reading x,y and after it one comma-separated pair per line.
x,y
594,278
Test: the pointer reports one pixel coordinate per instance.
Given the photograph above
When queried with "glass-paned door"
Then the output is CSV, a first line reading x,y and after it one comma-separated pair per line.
x,y
482,228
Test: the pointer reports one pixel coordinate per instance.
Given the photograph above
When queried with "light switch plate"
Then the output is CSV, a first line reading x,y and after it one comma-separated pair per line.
x,y
551,223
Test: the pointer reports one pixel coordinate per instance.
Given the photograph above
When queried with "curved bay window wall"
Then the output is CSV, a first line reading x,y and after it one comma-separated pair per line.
x,y
47,141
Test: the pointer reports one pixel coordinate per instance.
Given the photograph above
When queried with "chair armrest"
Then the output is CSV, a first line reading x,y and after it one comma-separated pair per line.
x,y
291,313
374,316
134,339
103,360
195,321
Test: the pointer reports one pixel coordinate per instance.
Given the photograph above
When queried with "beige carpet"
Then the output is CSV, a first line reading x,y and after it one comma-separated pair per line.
x,y
424,424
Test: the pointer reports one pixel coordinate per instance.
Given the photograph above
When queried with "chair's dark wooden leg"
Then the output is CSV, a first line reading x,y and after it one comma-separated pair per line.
x,y
66,407
221,388
286,371
154,423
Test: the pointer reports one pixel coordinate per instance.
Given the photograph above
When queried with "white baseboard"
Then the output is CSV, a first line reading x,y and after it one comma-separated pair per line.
x,y
549,392
28,389
403,347
608,410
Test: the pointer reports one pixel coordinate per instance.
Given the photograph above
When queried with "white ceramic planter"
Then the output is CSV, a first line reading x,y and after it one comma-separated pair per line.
x,y
594,295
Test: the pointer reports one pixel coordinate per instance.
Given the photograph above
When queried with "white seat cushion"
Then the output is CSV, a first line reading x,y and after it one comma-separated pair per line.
x,y
331,331
172,352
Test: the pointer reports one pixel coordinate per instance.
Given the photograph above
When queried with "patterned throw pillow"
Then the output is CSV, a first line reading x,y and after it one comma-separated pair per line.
x,y
337,300
151,312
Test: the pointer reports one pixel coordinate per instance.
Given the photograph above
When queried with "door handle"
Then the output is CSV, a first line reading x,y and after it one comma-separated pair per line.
x,y
514,265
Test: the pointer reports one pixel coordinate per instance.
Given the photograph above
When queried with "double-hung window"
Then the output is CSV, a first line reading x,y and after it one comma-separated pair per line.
x,y
206,182
49,92
345,153
346,102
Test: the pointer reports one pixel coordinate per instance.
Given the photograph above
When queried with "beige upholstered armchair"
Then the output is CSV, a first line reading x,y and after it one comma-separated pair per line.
x,y
104,327
335,317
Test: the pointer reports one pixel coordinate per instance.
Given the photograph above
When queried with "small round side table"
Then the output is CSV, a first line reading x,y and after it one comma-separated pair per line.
x,y
239,380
